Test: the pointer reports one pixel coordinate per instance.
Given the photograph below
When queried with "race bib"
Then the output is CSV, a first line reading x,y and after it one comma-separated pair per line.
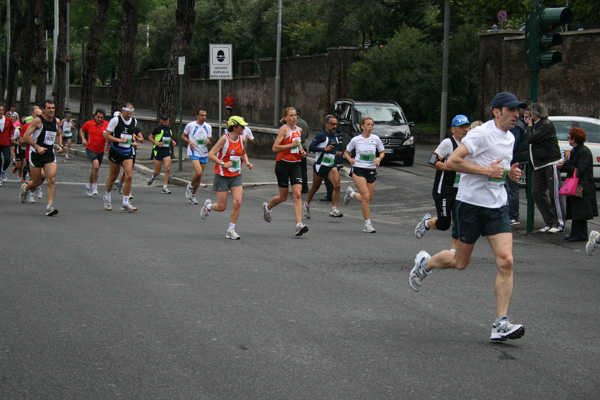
x,y
166,141
200,142
295,150
498,183
367,157
49,138
235,164
456,180
129,138
328,160
67,133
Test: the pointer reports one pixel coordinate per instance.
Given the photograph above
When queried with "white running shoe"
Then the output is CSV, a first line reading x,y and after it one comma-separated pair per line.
x,y
422,227
127,207
335,213
189,192
4,177
88,190
347,196
38,192
193,199
418,273
369,228
67,157
300,229
266,214
107,204
306,210
118,187
23,193
31,197
232,235
94,189
51,211
166,190
204,211
592,244
150,180
502,329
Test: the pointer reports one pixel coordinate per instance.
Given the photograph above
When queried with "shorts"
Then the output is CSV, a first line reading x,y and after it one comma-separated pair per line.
x,y
161,153
323,171
203,160
471,221
288,172
369,174
92,155
225,183
444,205
38,161
20,154
117,158
65,137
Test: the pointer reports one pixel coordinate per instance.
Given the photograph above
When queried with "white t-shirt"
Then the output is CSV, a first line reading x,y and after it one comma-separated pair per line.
x,y
2,122
248,133
198,134
365,150
486,144
66,127
445,148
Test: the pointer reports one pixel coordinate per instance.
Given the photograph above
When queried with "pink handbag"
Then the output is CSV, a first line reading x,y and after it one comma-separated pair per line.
x,y
571,187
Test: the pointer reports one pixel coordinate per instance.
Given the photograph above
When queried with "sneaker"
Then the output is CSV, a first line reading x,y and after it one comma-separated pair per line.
x,y
514,222
545,229
127,207
300,229
306,209
67,157
335,213
189,192
347,196
369,228
38,192
107,204
31,197
554,230
14,169
51,211
150,180
0,182
232,235
193,199
23,180
166,190
418,273
422,227
94,189
204,211
266,214
503,330
4,177
118,187
23,194
592,244
88,190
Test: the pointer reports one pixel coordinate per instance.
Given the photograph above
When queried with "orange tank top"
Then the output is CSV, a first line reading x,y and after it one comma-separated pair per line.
x,y
293,154
231,151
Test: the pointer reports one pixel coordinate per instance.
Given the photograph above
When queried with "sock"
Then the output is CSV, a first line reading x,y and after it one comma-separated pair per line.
x,y
267,209
231,227
164,186
453,251
499,319
352,194
208,207
306,205
107,195
333,208
298,224
190,187
367,221
125,200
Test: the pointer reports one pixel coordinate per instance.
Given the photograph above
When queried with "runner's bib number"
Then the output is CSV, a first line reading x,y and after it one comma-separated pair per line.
x,y
498,183
200,142
456,180
328,160
367,157
235,164
129,138
166,141
49,138
295,150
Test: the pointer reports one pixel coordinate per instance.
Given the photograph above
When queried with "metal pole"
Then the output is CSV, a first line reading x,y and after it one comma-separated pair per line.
x,y
277,108
180,122
54,43
444,113
67,56
7,37
220,107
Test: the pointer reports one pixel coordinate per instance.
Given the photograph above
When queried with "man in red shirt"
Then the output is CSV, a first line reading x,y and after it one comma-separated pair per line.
x,y
6,132
94,147
229,103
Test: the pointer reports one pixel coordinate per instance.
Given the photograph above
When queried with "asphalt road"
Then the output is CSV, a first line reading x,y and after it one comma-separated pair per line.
x,y
159,305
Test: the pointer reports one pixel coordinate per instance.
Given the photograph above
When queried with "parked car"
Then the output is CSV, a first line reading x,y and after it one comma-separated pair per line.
x,y
563,125
391,125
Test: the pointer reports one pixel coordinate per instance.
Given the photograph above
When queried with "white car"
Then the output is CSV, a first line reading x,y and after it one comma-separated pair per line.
x,y
563,125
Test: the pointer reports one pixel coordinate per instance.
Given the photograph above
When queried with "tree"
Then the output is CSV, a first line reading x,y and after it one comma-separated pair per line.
x,y
27,64
128,35
92,60
41,63
60,83
17,27
185,17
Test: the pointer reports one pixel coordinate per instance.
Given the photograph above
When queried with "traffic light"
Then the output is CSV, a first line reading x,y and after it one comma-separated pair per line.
x,y
541,34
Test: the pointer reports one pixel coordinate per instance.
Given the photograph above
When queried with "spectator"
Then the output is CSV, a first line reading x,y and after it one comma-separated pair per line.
x,y
229,103
304,127
520,155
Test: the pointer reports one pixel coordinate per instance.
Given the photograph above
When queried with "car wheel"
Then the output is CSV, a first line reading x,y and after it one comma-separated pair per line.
x,y
523,179
410,162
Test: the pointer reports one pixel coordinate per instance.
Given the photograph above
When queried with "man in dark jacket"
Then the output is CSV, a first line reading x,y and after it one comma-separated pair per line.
x,y
521,156
544,154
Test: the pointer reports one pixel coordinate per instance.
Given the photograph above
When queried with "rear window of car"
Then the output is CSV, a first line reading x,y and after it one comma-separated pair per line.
x,y
562,129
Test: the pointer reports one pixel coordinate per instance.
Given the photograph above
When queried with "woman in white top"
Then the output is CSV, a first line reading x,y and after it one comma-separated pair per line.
x,y
364,168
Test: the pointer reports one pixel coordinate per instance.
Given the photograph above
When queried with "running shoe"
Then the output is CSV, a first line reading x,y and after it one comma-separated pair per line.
x,y
300,229
127,207
88,190
306,209
335,213
189,192
118,187
94,189
67,157
369,228
514,222
266,214
38,192
418,273
150,180
347,196
503,329
51,211
23,180
422,227
0,182
107,204
166,190
204,211
4,177
23,194
592,244
31,197
545,229
14,169
193,199
232,235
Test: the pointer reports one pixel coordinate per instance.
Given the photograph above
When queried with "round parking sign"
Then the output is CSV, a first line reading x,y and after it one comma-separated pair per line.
x,y
502,15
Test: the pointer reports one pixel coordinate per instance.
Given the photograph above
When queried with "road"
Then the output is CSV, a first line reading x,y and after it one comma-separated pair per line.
x,y
159,305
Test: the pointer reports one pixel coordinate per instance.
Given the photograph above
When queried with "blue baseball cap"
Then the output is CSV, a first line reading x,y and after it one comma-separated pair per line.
x,y
460,120
507,100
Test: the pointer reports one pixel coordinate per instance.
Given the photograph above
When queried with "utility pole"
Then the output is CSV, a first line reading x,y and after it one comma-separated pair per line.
x,y
277,108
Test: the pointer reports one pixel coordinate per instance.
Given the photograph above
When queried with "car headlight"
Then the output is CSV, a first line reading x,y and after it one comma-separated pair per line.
x,y
409,141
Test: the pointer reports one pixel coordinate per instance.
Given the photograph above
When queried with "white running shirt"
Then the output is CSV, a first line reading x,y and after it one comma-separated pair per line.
x,y
198,134
365,150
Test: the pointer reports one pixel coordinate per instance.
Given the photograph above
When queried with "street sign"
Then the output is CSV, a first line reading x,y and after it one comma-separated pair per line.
x,y
502,15
181,65
221,63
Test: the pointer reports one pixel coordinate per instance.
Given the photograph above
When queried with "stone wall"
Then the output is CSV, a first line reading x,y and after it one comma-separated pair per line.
x,y
571,87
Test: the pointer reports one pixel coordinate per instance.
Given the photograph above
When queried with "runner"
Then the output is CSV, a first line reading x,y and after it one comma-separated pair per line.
x,y
120,133
6,134
364,168
94,147
287,168
14,118
137,138
18,150
227,154
68,127
41,135
24,147
326,146
162,139
197,134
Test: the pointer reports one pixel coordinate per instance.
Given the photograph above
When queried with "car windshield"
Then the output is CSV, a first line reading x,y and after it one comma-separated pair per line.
x,y
381,114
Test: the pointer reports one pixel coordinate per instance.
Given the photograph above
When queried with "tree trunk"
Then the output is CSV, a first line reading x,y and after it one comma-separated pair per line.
x,y
17,25
126,54
92,60
27,63
185,17
60,84
41,64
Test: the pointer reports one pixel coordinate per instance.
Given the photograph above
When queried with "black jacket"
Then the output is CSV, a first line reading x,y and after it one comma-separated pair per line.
x,y
543,144
521,147
580,159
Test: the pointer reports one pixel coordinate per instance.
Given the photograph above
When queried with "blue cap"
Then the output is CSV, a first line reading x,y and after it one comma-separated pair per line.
x,y
459,120
507,100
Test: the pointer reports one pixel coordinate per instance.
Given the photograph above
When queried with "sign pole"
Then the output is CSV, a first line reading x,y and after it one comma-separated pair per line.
x,y
181,70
